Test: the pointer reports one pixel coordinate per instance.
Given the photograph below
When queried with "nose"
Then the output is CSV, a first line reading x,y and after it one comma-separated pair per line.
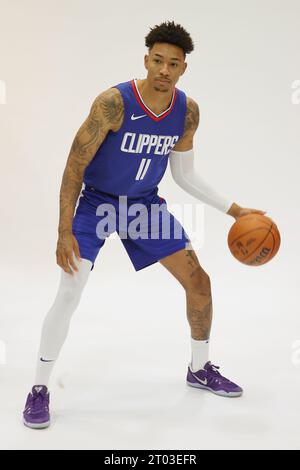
x,y
164,70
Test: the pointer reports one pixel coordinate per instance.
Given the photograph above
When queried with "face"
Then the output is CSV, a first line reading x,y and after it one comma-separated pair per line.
x,y
165,64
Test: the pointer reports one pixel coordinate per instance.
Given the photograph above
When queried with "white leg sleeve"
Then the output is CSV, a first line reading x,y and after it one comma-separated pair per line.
x,y
57,321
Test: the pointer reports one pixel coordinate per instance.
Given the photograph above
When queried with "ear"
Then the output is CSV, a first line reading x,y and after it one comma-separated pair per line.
x,y
146,59
184,68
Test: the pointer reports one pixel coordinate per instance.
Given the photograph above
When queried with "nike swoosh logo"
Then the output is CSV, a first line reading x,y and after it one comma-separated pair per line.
x,y
203,382
133,117
44,360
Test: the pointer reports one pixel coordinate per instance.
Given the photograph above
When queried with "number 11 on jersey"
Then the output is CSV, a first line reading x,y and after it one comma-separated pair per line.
x,y
145,162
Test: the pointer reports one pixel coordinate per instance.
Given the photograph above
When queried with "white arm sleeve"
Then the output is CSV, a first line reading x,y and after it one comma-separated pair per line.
x,y
183,172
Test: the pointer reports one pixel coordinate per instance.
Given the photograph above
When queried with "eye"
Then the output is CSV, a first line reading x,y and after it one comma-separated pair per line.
x,y
175,64
156,60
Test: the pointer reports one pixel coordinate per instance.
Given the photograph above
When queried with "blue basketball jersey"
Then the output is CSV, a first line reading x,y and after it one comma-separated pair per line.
x,y
133,160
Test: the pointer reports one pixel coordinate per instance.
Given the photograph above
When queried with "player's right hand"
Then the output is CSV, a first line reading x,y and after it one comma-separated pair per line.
x,y
67,246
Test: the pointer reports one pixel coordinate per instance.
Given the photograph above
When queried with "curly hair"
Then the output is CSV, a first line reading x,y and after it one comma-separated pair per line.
x,y
171,33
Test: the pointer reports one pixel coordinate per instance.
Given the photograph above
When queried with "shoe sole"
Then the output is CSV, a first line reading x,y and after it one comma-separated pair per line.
x,y
220,393
36,425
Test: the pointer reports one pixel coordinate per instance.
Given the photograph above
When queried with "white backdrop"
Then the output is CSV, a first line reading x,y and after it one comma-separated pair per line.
x,y
120,380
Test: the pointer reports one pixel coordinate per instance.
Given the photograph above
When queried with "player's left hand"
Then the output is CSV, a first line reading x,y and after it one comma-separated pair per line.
x,y
245,211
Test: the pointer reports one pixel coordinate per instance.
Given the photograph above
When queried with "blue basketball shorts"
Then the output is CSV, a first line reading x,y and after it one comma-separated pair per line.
x,y
148,231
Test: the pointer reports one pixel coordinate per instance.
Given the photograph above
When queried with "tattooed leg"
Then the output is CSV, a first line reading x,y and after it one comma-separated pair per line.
x,y
199,310
184,265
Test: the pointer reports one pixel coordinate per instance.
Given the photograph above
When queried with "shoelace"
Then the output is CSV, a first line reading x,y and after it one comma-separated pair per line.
x,y
214,369
36,402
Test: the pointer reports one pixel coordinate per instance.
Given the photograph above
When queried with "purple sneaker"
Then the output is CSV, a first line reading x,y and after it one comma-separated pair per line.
x,y
210,379
36,414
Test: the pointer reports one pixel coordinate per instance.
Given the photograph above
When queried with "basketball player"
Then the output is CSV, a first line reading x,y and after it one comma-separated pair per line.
x,y
122,149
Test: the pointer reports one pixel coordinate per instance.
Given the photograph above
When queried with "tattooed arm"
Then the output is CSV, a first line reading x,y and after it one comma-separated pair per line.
x,y
182,168
182,165
190,126
106,114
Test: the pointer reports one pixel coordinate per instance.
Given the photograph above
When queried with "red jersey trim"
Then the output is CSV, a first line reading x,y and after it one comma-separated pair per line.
x,y
154,116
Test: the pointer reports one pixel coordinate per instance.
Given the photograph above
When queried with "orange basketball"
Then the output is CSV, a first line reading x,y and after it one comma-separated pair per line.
x,y
254,239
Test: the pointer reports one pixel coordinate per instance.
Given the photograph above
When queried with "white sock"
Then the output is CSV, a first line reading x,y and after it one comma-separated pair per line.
x,y
57,321
200,352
